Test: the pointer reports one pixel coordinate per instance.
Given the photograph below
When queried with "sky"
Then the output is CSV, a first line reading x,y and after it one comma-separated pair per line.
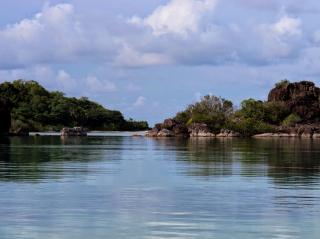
x,y
152,58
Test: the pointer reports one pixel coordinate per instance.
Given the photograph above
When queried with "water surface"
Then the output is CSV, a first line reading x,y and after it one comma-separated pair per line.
x,y
117,186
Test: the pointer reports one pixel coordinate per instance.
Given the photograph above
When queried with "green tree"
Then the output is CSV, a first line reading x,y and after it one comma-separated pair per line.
x,y
211,110
35,108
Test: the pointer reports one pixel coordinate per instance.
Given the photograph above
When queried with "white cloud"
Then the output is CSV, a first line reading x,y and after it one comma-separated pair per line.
x,y
65,81
258,42
140,101
177,16
279,40
53,35
130,57
97,86
46,76
287,26
178,32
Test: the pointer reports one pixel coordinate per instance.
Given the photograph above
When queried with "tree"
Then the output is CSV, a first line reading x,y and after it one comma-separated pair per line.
x,y
35,108
5,117
211,110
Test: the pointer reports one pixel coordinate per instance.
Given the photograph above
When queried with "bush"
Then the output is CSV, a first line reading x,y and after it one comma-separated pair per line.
x,y
249,126
282,83
132,125
275,112
253,109
211,110
5,116
291,120
183,117
269,112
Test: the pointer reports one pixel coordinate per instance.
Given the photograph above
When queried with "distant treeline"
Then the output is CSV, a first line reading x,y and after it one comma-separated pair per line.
x,y
33,108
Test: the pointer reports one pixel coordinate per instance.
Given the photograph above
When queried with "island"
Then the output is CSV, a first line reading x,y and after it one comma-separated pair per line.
x,y
292,110
27,106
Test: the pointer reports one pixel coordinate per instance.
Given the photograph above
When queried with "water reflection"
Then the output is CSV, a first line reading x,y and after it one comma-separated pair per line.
x,y
285,161
124,187
41,158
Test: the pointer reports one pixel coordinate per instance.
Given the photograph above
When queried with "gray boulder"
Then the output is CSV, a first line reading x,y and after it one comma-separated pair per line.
x,y
200,130
76,131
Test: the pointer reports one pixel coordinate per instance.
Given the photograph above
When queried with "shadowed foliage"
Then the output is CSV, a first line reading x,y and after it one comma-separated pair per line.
x,y
5,118
36,109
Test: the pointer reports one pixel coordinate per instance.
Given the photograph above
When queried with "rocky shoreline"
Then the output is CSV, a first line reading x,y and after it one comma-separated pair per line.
x,y
171,128
292,110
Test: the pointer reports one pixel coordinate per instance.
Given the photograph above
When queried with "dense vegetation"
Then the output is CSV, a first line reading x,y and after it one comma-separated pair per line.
x,y
253,117
5,118
211,110
34,108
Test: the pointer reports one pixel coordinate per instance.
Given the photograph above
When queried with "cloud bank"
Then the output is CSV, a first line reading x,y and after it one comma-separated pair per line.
x,y
185,32
121,53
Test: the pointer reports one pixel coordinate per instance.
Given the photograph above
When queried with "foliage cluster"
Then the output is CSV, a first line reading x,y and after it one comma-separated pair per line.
x,y
35,108
211,110
282,83
291,120
253,117
5,119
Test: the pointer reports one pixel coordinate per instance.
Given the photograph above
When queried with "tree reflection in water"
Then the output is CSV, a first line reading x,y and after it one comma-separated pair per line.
x,y
285,161
40,158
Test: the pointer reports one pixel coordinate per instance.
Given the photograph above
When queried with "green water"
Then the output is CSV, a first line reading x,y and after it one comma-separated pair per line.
x,y
125,187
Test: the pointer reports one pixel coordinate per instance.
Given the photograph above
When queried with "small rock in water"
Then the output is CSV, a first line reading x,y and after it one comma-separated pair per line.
x,y
75,131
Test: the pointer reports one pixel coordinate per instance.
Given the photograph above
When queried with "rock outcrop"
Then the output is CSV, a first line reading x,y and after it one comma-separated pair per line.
x,y
5,117
307,131
172,128
228,133
169,128
199,130
76,131
301,98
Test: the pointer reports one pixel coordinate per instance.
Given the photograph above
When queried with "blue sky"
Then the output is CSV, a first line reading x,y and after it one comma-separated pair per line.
x,y
151,58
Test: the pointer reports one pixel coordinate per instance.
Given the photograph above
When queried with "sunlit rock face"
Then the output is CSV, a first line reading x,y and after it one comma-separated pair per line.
x,y
302,98
5,117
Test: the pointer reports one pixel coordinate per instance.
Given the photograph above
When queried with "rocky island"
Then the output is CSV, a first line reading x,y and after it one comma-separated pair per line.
x,y
292,110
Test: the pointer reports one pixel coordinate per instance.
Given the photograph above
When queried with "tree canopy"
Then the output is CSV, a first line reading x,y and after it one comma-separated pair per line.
x,y
35,108
211,110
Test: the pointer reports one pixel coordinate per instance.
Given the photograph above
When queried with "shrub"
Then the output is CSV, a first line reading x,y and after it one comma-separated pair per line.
x,y
183,117
211,110
291,120
282,83
249,126
269,112
275,112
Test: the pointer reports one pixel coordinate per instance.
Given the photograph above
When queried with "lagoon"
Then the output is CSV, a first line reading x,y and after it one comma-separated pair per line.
x,y
118,186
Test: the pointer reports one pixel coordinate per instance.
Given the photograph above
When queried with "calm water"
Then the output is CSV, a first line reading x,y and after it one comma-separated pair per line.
x,y
125,187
